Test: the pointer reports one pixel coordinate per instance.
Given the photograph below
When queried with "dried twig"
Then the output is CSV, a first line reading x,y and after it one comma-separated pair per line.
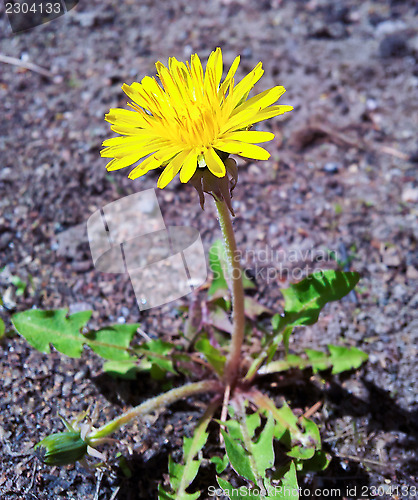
x,y
115,493
32,480
361,460
313,409
224,412
144,335
99,480
394,152
27,65
316,129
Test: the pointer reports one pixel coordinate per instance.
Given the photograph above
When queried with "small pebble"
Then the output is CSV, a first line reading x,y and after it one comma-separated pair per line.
x,y
393,46
125,311
331,167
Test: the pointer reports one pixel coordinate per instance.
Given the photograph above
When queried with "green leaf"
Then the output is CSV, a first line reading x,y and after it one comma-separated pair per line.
x,y
317,463
238,457
213,355
304,300
217,263
300,436
340,359
311,434
107,341
2,328
158,346
303,303
126,369
253,309
318,360
157,352
288,489
247,283
220,463
234,493
249,446
19,284
182,474
281,365
286,337
251,452
262,449
42,328
345,358
156,359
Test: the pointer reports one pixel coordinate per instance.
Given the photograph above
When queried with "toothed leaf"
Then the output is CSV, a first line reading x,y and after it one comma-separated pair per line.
x,y
304,300
183,474
112,342
42,328
340,358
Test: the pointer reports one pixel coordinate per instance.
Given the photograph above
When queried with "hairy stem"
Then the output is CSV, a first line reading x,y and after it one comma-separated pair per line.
x,y
152,404
237,292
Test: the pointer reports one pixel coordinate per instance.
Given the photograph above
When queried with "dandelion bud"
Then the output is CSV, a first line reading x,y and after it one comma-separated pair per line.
x,y
62,448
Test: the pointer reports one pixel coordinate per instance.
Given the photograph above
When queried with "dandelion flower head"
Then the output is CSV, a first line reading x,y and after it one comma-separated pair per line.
x,y
190,119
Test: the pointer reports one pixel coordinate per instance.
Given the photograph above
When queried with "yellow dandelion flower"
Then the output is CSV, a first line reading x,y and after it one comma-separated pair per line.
x,y
184,124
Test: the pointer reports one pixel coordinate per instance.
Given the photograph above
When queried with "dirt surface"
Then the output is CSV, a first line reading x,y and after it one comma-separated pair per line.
x,y
342,178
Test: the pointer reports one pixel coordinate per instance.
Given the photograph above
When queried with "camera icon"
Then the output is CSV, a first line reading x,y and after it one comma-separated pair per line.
x,y
26,14
164,263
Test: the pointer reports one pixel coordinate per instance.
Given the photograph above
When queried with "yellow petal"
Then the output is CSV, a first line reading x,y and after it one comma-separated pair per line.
x,y
262,100
189,166
229,75
247,83
153,161
118,163
169,84
133,92
142,149
171,170
265,114
215,66
144,167
124,116
214,163
196,72
251,136
247,117
127,130
127,140
243,149
234,123
136,173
